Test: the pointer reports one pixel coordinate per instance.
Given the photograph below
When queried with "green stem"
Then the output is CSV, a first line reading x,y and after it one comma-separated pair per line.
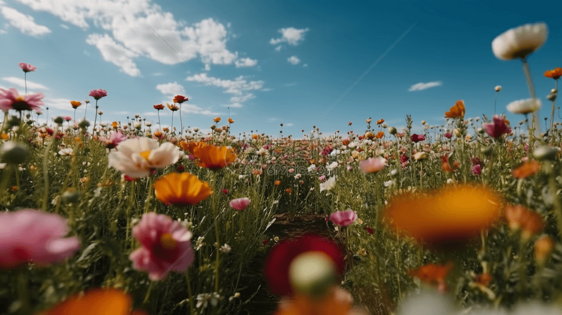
x,y
191,306
46,170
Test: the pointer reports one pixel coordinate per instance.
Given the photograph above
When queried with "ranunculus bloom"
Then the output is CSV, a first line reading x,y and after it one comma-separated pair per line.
x,y
180,99
448,135
97,94
34,236
477,169
114,139
417,138
159,107
27,67
457,110
497,128
165,246
96,302
137,157
280,258
526,170
240,203
11,99
519,42
520,217
555,73
524,106
75,104
372,165
213,157
343,218
444,217
181,189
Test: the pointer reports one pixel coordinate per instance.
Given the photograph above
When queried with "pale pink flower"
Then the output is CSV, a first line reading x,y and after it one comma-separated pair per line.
x,y
240,203
165,246
27,67
322,178
114,139
11,99
497,128
97,94
67,118
34,236
343,218
372,165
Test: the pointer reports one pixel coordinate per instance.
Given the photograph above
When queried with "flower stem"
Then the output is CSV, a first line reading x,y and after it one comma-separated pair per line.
x,y
527,71
191,306
552,113
46,169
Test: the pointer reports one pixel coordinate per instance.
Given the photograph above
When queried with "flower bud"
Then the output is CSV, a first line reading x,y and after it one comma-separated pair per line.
x,y
543,249
58,120
71,196
84,124
487,150
420,156
551,97
312,273
545,153
498,88
14,153
392,130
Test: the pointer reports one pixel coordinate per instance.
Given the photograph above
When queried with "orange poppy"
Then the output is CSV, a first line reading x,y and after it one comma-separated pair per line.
x,y
94,302
180,99
75,104
457,110
526,170
254,136
380,121
158,133
159,107
380,134
230,120
332,304
288,190
173,107
165,129
555,73
213,157
217,119
5,136
444,217
181,189
114,124
432,274
277,182
189,146
345,141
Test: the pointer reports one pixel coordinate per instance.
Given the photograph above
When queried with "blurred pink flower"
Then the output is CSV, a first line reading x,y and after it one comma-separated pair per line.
x,y
497,128
372,165
165,246
27,67
34,236
417,138
240,203
343,218
114,139
97,94
67,118
477,169
322,178
448,135
11,99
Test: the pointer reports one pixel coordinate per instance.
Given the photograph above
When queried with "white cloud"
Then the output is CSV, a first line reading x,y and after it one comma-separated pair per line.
x,y
172,88
289,124
293,60
115,53
25,23
290,35
278,48
422,86
245,62
58,103
239,87
64,26
21,83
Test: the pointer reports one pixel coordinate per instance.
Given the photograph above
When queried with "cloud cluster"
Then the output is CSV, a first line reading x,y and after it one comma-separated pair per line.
x,y
423,86
289,35
25,23
294,60
239,87
171,89
21,83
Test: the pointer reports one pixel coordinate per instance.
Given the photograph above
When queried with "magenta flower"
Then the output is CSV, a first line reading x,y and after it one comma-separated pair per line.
x,y
11,99
240,203
497,128
418,138
165,246
372,165
27,67
97,94
343,218
322,178
114,139
477,169
448,135
34,236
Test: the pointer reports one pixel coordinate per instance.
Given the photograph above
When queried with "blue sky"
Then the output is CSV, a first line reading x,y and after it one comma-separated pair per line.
x,y
275,61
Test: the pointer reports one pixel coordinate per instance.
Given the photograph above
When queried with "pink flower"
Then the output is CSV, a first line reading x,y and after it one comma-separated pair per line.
x,y
477,169
27,67
497,128
34,236
240,203
343,218
372,165
448,135
11,99
97,94
165,246
322,178
67,118
114,139
418,138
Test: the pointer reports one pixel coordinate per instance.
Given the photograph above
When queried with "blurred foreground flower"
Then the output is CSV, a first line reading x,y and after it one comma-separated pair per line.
x,y
336,302
181,189
524,106
372,165
11,99
497,128
165,246
240,203
519,42
34,236
526,169
444,217
96,302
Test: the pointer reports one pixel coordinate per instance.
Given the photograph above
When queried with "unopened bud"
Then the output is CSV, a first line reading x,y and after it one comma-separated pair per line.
x,y
312,273
545,153
392,130
14,153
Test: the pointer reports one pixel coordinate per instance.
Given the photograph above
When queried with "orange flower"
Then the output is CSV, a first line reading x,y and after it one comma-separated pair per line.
x,y
158,133
257,172
432,274
533,225
173,107
555,74
165,129
217,119
180,99
543,248
230,120
345,141
288,190
213,157
95,302
75,104
526,170
380,134
159,107
114,124
181,189
520,217
5,136
380,121
189,146
335,303
277,182
446,216
457,110
254,136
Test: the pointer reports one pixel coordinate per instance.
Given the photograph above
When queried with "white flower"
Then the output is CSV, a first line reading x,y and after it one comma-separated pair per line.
x,y
519,42
66,152
136,157
225,248
353,144
335,152
524,106
332,166
205,298
328,184
311,168
498,88
262,151
199,243
2,166
298,176
388,183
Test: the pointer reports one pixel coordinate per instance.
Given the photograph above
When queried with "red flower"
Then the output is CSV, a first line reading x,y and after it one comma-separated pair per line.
x,y
159,107
418,138
280,258
180,99
369,230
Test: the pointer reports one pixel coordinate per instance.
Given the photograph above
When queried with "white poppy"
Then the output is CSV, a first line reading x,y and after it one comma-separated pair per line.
x,y
524,106
328,184
519,42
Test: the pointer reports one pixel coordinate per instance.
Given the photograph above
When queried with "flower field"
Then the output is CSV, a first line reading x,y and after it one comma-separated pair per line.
x,y
133,218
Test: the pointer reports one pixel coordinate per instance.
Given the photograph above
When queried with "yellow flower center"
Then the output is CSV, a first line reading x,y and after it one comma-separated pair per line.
x,y
167,241
145,154
20,99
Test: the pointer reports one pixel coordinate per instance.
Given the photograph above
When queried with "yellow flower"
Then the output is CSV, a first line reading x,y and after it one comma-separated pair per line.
x,y
181,189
